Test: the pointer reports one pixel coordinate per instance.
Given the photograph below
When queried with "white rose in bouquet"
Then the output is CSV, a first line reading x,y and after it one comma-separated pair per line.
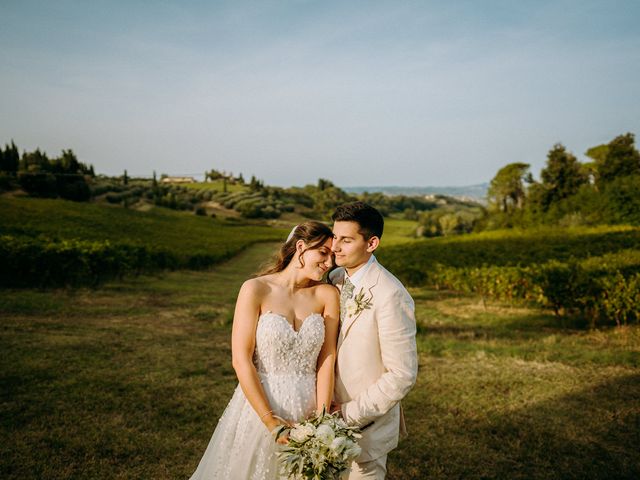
x,y
320,448
301,433
338,444
325,434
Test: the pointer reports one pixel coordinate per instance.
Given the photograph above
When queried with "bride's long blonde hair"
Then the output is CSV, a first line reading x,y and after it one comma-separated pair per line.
x,y
313,233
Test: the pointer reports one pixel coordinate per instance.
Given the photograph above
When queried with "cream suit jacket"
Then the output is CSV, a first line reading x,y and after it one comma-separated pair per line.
x,y
377,360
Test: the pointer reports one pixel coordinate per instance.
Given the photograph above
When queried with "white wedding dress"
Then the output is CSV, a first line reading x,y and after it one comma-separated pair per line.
x,y
241,446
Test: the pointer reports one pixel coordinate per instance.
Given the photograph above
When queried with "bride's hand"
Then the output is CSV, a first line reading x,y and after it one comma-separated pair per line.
x,y
283,438
274,424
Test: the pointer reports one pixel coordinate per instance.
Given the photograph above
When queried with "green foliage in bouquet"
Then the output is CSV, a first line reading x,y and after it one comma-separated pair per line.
x,y
320,448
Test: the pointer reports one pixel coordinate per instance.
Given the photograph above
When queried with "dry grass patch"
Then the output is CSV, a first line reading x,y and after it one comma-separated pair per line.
x,y
128,382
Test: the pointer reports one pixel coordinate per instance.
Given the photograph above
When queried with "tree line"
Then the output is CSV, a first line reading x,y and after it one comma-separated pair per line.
x,y
605,190
64,176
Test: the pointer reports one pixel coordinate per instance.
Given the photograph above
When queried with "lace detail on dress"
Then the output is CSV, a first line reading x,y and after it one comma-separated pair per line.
x,y
280,350
241,447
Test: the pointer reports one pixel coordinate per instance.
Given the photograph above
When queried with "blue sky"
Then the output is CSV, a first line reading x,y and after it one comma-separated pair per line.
x,y
360,92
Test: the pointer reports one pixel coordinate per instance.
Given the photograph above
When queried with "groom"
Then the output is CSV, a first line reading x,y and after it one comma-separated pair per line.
x,y
377,360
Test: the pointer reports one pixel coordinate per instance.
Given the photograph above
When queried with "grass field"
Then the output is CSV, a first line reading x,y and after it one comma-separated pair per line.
x,y
178,232
128,381
398,231
512,247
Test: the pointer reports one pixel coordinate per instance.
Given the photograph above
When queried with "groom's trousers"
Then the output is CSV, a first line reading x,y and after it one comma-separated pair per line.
x,y
372,470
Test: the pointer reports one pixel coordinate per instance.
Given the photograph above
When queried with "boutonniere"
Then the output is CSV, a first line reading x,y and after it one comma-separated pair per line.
x,y
358,304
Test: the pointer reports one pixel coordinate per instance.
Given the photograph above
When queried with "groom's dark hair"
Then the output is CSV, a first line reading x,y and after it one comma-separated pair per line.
x,y
370,220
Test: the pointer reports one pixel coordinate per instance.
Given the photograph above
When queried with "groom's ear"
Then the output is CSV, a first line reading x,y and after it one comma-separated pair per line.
x,y
372,244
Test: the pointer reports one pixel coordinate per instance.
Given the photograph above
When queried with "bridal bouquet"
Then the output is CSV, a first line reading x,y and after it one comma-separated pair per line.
x,y
320,448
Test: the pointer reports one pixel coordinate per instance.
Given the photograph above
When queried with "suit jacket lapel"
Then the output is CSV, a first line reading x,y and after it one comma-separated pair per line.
x,y
368,283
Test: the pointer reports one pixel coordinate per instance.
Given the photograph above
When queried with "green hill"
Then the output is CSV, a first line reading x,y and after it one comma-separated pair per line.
x,y
49,240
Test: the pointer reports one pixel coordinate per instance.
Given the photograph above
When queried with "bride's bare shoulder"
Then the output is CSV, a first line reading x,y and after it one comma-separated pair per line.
x,y
325,290
260,284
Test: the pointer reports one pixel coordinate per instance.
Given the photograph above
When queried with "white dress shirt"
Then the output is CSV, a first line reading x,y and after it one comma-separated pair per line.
x,y
357,277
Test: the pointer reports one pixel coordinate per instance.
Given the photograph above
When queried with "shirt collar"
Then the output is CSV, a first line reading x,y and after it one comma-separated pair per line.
x,y
357,277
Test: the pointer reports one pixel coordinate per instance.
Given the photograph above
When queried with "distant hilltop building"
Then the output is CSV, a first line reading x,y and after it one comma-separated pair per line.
x,y
178,180
436,198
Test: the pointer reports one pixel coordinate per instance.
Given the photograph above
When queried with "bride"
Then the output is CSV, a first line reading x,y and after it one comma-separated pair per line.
x,y
283,346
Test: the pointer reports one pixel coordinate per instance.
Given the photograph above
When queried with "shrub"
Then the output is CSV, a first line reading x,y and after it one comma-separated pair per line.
x,y
620,298
591,273
44,262
39,184
6,181
114,197
73,187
